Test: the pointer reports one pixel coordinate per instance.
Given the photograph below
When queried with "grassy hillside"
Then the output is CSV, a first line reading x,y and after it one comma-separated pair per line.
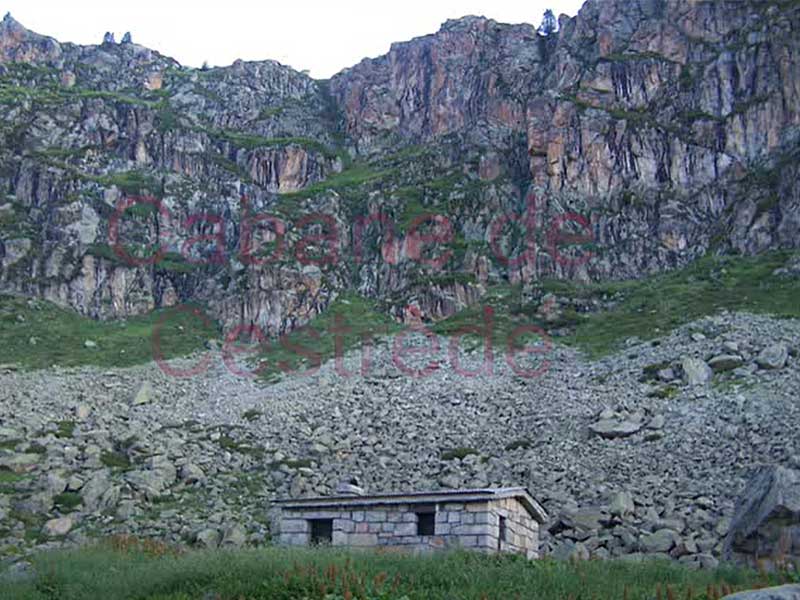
x,y
280,574
651,307
37,334
350,318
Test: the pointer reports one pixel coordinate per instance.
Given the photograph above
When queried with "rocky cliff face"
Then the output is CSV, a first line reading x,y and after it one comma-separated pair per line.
x,y
673,124
666,129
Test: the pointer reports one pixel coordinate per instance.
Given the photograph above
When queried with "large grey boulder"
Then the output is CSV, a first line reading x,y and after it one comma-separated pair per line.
x,y
569,550
659,541
208,538
191,473
612,424
785,592
99,493
234,536
773,356
615,428
766,524
696,371
621,504
157,476
20,463
58,527
725,362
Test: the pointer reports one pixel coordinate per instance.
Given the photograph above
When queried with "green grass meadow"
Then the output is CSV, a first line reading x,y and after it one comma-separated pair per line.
x,y
38,335
152,573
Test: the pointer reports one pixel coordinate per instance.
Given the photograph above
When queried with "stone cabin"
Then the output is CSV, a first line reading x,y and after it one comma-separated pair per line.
x,y
489,520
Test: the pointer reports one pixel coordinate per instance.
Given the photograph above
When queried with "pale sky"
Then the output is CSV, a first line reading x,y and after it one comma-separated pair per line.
x,y
323,37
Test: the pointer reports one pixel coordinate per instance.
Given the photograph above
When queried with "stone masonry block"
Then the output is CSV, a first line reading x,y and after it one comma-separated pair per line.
x,y
345,525
404,529
324,514
294,526
470,530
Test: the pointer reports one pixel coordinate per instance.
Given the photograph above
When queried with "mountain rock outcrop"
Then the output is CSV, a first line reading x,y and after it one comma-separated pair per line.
x,y
658,130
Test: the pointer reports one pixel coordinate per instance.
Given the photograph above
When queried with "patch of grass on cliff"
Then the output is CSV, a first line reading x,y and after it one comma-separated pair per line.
x,y
133,183
354,317
251,142
354,176
36,334
149,571
176,263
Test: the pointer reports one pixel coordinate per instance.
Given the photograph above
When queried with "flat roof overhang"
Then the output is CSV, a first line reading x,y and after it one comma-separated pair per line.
x,y
433,497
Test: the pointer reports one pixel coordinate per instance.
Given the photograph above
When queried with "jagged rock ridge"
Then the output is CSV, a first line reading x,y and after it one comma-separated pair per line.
x,y
671,126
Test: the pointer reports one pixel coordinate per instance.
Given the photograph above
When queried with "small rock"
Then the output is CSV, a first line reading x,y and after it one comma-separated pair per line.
x,y
696,371
234,537
143,395
666,374
450,481
659,541
614,428
126,510
82,412
208,538
569,550
731,347
58,527
55,484
773,356
607,414
98,493
191,473
90,344
20,463
725,362
621,504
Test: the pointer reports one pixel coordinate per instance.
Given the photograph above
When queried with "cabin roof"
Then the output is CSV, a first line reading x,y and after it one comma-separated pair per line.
x,y
463,495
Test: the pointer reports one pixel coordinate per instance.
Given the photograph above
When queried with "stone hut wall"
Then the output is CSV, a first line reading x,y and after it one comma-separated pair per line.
x,y
522,531
473,526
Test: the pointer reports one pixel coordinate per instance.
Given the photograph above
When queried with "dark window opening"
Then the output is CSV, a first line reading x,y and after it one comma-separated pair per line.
x,y
502,533
426,523
321,531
